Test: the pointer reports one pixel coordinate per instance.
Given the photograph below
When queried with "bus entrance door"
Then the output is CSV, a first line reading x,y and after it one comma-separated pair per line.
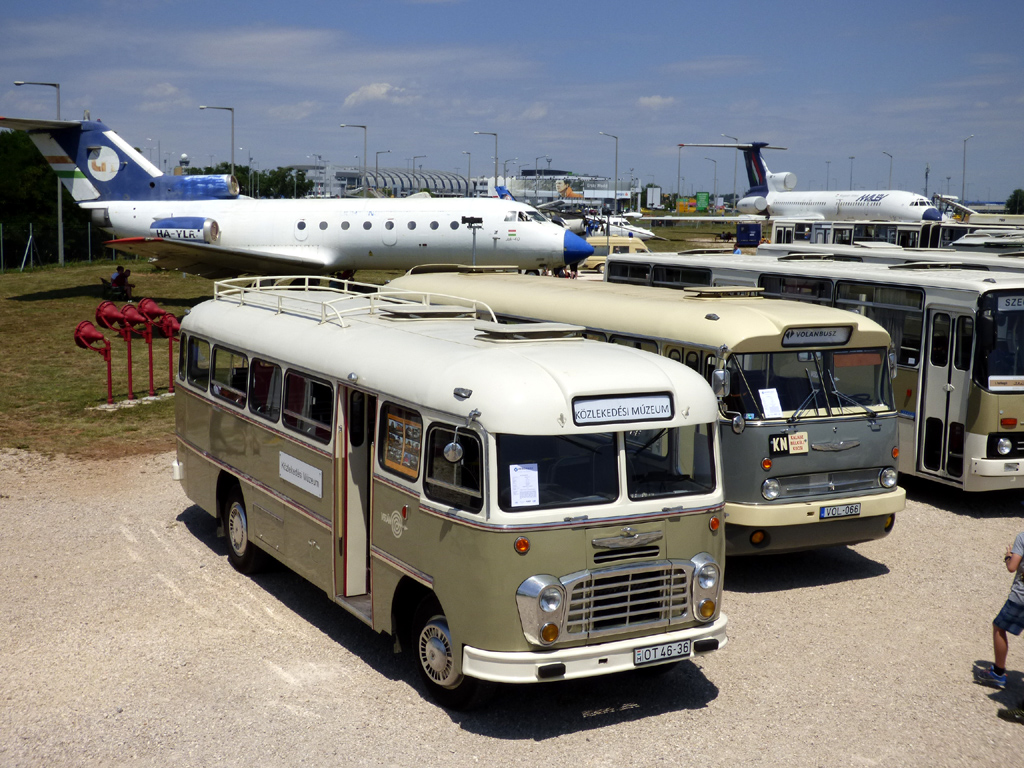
x,y
944,394
353,462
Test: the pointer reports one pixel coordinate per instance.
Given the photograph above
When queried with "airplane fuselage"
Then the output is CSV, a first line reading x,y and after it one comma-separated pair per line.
x,y
876,205
348,233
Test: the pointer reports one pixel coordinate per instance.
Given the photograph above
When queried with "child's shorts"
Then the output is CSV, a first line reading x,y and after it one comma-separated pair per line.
x,y
1011,617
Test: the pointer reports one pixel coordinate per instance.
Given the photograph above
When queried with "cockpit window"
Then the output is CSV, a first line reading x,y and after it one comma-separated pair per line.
x,y
510,216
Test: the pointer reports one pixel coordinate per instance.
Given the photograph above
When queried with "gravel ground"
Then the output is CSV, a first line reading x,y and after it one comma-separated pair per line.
x,y
127,639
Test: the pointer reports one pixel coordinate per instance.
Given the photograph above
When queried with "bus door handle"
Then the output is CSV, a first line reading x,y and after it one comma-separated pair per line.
x,y
949,388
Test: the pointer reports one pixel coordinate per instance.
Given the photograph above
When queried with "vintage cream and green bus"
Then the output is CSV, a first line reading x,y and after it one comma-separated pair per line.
x,y
808,425
513,504
958,332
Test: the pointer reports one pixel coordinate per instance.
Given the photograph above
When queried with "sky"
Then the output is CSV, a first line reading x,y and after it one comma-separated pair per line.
x,y
825,80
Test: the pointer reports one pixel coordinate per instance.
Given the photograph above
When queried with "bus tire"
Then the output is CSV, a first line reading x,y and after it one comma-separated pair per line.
x,y
435,658
244,556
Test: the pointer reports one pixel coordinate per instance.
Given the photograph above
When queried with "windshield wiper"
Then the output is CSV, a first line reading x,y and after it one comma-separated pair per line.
x,y
847,398
813,395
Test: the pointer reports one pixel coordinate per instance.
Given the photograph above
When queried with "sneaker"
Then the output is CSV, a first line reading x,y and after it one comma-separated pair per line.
x,y
1013,715
988,676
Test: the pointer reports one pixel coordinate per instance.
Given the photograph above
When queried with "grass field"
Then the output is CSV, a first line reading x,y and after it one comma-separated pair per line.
x,y
51,388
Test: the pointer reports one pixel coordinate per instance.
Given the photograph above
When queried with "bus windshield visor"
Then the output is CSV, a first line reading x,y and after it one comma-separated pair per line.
x,y
808,384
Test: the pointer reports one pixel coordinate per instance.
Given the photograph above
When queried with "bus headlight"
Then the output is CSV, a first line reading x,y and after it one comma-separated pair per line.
x,y
887,477
550,599
707,576
1004,446
771,489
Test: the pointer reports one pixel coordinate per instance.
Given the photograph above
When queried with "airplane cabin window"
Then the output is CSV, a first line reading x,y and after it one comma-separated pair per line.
x,y
300,226
433,225
323,225
389,225
455,225
344,225
412,225
367,224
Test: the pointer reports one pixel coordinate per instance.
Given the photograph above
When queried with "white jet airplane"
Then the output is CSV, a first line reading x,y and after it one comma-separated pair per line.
x,y
202,225
772,195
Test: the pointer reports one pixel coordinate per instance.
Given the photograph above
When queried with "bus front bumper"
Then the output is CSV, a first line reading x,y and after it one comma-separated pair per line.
x,y
994,474
586,660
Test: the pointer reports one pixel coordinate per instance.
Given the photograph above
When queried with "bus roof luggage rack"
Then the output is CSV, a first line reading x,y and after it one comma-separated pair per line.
x,y
491,331
425,311
723,291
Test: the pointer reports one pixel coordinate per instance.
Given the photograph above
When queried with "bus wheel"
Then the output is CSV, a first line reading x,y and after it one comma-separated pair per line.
x,y
435,658
242,554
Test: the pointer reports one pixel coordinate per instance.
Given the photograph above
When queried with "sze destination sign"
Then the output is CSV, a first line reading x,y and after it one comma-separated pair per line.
x,y
617,410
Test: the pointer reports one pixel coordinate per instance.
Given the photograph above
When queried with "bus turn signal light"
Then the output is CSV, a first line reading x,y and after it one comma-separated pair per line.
x,y
766,464
714,523
522,545
1008,423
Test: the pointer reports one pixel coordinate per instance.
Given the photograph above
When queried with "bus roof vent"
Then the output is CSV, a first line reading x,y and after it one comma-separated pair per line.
x,y
722,291
491,331
937,265
818,257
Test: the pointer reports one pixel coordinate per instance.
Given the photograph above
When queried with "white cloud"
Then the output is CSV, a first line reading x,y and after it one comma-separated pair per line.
x,y
536,111
376,92
655,102
165,97
294,112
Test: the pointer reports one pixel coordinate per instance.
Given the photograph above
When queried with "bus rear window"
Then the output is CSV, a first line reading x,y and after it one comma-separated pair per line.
x,y
309,406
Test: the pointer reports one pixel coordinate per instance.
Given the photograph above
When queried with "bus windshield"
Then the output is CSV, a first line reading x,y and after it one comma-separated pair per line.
x,y
547,471
807,384
1001,355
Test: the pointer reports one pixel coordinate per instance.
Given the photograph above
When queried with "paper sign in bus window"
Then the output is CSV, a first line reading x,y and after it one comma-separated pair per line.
x,y
770,402
524,482
402,446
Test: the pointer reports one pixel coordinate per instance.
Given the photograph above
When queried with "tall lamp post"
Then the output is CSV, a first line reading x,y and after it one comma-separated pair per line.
x,y
232,111
490,133
963,180
60,193
469,172
714,202
504,168
735,158
679,173
363,176
828,170
890,167
615,198
851,172
376,166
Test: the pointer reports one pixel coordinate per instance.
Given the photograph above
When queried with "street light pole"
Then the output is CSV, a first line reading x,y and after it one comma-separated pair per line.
x,y
60,192
714,202
232,111
376,167
504,169
963,180
851,172
890,167
469,172
735,159
679,172
365,131
495,135
615,199
828,166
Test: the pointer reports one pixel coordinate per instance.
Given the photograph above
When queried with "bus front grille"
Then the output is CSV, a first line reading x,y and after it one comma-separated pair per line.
x,y
628,597
829,483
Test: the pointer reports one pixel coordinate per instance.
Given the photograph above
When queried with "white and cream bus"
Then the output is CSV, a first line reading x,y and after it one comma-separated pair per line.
x,y
959,334
512,504
808,424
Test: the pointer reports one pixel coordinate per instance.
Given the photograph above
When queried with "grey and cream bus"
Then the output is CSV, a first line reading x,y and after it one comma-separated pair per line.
x,y
512,504
959,336
808,424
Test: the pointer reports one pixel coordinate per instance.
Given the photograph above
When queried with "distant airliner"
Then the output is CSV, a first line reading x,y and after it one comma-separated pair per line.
x,y
771,194
202,225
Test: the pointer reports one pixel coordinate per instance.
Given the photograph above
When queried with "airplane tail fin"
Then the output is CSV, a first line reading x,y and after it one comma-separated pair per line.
x,y
761,180
503,193
95,164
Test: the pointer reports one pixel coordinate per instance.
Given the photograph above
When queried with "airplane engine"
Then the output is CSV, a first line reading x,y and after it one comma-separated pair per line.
x,y
783,181
191,228
221,187
752,205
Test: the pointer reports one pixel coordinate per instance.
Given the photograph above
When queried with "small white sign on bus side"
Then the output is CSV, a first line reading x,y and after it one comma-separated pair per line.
x,y
301,474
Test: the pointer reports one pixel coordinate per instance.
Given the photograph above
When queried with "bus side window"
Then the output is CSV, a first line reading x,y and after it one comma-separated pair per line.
x,y
265,389
401,432
940,340
198,363
230,375
964,338
308,406
182,346
693,360
458,483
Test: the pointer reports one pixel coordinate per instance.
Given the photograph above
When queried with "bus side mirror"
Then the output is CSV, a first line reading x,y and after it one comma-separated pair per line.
x,y
720,383
453,452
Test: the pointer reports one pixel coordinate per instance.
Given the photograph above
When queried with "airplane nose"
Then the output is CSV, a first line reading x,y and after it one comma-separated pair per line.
x,y
931,214
575,248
